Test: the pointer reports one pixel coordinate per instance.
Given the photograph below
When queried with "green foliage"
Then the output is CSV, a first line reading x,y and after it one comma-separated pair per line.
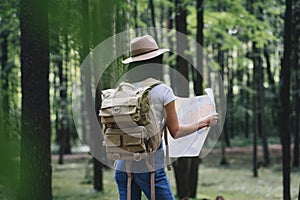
x,y
234,25
9,153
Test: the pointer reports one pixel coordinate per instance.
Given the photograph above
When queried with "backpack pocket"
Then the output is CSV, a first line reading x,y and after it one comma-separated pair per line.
x,y
132,139
113,140
128,140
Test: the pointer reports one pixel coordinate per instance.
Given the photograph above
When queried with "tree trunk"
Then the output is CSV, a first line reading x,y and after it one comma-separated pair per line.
x,y
224,137
4,71
57,66
240,127
266,153
64,139
181,44
259,77
35,168
4,83
255,133
284,121
230,103
296,156
152,9
255,107
259,103
259,88
85,36
162,19
170,25
151,5
273,86
97,38
102,29
135,15
198,77
67,142
186,173
247,102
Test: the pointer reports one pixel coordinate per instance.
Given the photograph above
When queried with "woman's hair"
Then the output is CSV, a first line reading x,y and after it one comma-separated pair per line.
x,y
141,70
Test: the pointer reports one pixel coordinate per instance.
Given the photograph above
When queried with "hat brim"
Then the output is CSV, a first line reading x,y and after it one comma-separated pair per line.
x,y
146,56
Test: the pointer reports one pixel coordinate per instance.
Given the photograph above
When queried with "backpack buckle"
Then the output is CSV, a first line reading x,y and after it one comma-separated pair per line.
x,y
116,156
137,157
117,109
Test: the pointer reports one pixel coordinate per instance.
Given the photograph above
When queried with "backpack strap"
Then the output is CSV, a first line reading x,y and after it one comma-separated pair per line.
x,y
129,178
152,185
150,82
152,175
167,149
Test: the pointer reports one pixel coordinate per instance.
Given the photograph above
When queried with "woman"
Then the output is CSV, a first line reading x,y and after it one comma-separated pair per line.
x,y
146,58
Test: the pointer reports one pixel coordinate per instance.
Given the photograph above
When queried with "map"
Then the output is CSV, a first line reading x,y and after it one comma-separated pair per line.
x,y
189,110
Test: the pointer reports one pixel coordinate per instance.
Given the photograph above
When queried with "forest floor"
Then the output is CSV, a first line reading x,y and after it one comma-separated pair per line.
x,y
73,180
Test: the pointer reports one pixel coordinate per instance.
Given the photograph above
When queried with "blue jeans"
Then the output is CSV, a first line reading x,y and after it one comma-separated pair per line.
x,y
141,182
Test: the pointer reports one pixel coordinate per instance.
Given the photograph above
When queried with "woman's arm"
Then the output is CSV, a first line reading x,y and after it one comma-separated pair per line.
x,y
176,130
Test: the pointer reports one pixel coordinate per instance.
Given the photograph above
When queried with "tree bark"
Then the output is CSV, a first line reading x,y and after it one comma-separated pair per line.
x,y
273,86
135,15
284,117
103,17
266,153
258,62
151,5
170,25
225,136
99,17
198,79
85,37
35,168
256,115
5,71
185,169
247,102
240,127
64,136
296,156
181,44
259,88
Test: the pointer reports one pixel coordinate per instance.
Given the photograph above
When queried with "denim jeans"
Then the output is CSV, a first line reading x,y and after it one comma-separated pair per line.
x,y
141,182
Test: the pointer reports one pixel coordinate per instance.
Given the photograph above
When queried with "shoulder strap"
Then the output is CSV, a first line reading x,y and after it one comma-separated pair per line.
x,y
150,82
167,149
129,178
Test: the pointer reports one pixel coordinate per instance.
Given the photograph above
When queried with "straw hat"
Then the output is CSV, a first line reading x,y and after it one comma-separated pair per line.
x,y
143,48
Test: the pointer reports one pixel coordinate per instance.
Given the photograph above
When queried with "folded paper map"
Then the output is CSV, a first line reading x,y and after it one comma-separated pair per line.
x,y
189,111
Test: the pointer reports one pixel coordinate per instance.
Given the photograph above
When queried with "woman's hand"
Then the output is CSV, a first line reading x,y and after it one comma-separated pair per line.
x,y
178,130
210,120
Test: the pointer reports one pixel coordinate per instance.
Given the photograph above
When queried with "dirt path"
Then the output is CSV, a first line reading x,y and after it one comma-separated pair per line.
x,y
275,150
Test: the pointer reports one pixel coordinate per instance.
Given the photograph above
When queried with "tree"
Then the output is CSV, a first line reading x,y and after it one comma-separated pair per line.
x,y
151,5
9,49
198,79
185,169
284,117
5,71
35,171
102,28
64,136
258,77
297,82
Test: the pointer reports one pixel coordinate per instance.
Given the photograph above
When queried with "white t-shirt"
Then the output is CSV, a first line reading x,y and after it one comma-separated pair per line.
x,y
161,95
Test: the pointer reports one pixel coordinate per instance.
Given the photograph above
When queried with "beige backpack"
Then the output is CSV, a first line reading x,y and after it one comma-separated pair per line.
x,y
130,129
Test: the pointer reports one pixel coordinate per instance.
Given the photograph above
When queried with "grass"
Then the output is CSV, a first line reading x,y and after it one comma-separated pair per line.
x,y
233,182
